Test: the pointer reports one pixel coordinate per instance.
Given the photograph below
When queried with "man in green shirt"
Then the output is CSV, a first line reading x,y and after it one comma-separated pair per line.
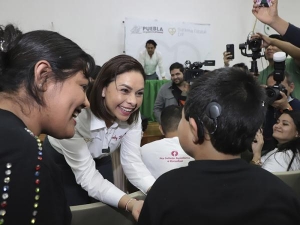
x,y
273,44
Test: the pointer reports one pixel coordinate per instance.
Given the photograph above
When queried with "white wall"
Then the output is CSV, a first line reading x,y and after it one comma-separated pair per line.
x,y
97,26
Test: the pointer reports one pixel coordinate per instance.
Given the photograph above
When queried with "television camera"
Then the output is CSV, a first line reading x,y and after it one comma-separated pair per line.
x,y
193,70
255,46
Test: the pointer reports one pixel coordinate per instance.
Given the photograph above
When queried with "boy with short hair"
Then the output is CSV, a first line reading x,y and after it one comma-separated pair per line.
x,y
223,111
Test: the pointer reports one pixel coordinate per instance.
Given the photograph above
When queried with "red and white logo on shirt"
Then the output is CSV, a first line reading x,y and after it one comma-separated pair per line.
x,y
174,153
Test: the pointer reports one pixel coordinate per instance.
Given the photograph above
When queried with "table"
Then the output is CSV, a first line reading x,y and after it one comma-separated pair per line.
x,y
152,133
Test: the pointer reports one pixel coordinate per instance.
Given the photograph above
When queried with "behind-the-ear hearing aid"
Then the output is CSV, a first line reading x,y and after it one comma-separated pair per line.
x,y
213,111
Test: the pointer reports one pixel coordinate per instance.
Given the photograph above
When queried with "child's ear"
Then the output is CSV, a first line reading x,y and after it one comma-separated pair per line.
x,y
160,129
194,129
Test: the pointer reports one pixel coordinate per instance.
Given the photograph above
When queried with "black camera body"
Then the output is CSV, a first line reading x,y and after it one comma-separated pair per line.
x,y
193,70
273,92
255,46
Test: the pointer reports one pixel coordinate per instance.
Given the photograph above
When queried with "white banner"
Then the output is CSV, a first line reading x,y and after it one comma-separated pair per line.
x,y
177,41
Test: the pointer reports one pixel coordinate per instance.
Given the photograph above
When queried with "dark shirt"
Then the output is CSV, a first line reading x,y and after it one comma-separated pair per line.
x,y
292,35
218,192
178,95
20,149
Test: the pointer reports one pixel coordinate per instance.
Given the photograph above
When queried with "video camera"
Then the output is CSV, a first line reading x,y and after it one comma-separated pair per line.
x,y
255,46
273,92
193,70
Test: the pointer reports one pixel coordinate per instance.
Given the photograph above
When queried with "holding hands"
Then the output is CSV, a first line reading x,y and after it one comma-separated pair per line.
x,y
137,208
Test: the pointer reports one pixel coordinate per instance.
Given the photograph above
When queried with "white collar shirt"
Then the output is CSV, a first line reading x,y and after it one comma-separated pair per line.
x,y
150,63
91,137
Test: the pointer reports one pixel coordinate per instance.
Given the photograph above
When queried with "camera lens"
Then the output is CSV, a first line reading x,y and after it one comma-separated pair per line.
x,y
255,45
273,94
270,92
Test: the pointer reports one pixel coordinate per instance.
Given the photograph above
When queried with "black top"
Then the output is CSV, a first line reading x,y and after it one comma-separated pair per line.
x,y
28,196
178,95
218,192
292,35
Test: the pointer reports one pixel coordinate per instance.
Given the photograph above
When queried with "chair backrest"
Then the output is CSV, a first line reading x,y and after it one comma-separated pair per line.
x,y
291,178
100,213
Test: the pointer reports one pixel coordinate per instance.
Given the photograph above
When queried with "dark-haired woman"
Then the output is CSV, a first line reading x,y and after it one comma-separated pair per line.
x,y
286,157
113,120
43,77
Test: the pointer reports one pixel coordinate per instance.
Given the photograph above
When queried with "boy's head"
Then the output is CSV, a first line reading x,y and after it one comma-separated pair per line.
x,y
223,107
170,118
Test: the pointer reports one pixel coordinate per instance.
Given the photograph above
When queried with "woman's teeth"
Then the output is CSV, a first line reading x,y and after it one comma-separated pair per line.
x,y
125,109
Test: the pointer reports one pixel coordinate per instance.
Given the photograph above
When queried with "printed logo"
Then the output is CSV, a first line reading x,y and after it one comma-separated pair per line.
x,y
174,153
172,30
147,30
153,30
136,30
114,137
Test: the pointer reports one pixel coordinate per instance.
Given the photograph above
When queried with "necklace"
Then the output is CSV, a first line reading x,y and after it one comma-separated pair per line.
x,y
5,189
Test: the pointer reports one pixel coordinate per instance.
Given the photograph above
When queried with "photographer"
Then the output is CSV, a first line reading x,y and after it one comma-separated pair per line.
x,y
276,108
172,93
269,15
273,44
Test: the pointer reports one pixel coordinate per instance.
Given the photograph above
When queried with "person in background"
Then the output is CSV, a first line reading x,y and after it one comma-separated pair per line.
x,y
43,79
150,59
286,157
221,116
275,43
113,120
271,44
171,93
275,108
166,154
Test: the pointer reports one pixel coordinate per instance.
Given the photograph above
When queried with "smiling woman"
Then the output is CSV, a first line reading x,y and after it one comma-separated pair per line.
x,y
286,157
113,120
43,76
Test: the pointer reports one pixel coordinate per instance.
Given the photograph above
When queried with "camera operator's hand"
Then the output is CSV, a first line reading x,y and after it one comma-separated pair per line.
x,y
269,15
282,103
226,58
266,40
